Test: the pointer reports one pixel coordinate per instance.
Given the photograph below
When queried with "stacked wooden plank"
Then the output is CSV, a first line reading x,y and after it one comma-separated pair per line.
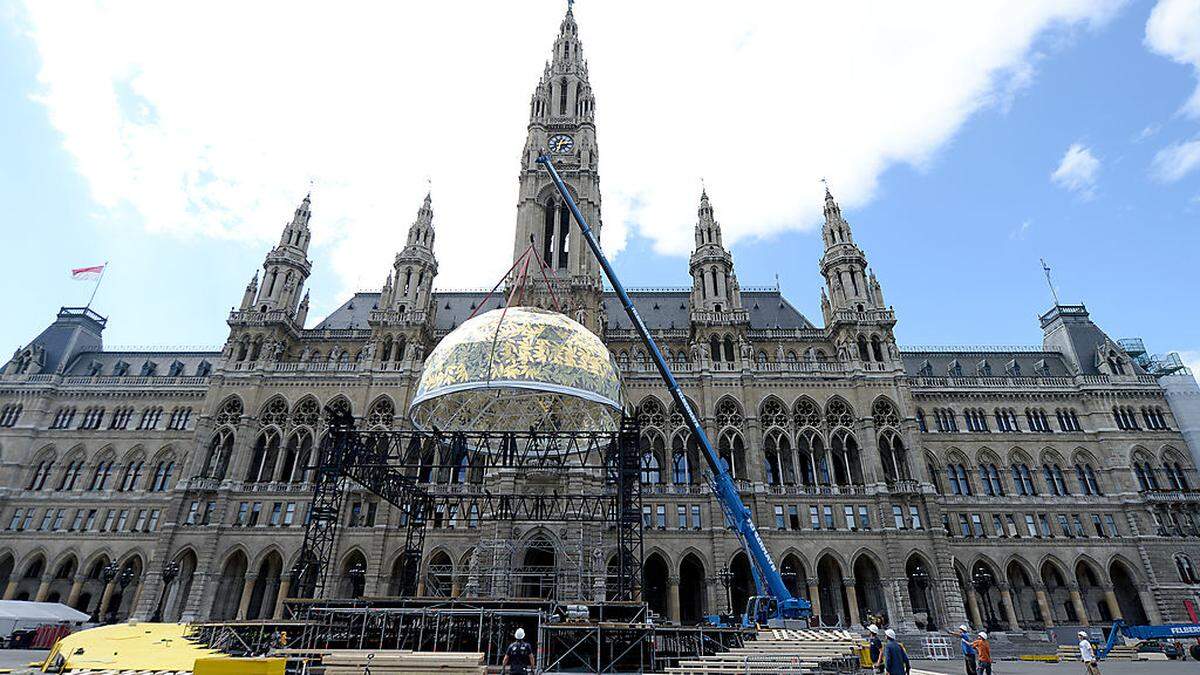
x,y
785,651
396,662
1119,653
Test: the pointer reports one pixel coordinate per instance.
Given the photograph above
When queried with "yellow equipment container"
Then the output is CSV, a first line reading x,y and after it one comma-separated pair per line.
x,y
231,666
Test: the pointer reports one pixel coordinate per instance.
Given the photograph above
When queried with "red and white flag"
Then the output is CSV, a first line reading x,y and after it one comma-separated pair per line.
x,y
87,273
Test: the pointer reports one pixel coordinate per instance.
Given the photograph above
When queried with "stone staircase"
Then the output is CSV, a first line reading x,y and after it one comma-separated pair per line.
x,y
783,651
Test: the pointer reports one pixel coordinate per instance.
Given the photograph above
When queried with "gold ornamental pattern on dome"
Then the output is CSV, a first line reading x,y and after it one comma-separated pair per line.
x,y
526,348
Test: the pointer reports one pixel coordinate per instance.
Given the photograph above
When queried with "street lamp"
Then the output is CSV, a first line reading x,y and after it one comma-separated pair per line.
x,y
983,582
726,578
169,573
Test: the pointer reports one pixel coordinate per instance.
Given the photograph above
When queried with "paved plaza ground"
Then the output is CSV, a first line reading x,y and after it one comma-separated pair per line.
x,y
1033,667
18,660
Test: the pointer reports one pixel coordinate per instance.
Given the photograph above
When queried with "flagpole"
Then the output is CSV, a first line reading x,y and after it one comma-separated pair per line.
x,y
97,286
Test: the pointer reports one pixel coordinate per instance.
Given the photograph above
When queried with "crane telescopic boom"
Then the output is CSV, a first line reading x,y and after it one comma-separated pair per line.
x,y
767,578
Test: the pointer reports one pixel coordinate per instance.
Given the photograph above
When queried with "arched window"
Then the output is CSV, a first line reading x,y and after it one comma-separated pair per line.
x,y
262,459
562,97
876,348
162,476
893,456
862,349
1023,480
989,478
728,349
732,451
220,447
1086,476
778,458
681,467
652,452
38,480
714,348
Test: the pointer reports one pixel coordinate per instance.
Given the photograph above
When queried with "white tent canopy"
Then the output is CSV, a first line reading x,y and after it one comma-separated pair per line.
x,y
22,614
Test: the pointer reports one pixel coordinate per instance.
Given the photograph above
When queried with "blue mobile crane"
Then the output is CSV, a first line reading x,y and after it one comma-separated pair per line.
x,y
772,599
1167,631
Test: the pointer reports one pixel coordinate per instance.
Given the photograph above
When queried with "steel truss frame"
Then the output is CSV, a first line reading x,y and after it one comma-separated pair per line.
x,y
399,465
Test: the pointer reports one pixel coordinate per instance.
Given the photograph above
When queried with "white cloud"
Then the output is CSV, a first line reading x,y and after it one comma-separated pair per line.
x,y
1021,230
1077,171
1173,30
1176,161
211,118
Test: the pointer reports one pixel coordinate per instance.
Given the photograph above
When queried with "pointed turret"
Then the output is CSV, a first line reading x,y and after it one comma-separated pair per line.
x,y
714,283
302,312
855,314
410,287
287,267
251,291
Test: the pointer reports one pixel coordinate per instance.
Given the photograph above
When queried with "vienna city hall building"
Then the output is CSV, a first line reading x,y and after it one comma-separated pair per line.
x,y
1011,488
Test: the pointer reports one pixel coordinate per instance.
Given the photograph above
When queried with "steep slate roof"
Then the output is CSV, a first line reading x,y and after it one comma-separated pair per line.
x,y
191,360
661,309
998,358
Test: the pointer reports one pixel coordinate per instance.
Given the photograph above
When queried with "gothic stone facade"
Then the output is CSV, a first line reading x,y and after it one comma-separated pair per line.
x,y
1012,488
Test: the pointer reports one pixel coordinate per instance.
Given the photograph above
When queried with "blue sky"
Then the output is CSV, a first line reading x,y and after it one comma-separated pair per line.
x,y
953,199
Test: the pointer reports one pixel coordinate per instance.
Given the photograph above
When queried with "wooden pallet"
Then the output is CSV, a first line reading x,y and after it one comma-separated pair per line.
x,y
390,662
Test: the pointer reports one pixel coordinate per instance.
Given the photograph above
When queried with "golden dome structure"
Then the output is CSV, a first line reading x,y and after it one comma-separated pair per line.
x,y
518,369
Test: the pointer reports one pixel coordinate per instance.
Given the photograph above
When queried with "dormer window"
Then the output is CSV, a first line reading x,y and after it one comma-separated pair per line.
x,y
926,369
1042,368
954,369
95,369
983,369
176,369
121,369
149,368
204,369
1013,369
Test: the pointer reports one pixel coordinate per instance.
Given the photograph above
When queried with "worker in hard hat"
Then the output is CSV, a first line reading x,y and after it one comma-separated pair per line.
x,y
518,658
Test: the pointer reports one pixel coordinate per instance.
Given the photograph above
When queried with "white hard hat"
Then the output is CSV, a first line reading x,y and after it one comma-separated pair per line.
x,y
983,635
1083,633
964,628
520,634
873,628
890,633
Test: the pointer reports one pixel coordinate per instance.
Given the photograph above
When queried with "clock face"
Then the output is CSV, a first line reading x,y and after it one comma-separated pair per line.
x,y
561,144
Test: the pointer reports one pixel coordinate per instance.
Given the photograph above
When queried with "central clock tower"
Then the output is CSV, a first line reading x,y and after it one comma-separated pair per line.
x,y
562,123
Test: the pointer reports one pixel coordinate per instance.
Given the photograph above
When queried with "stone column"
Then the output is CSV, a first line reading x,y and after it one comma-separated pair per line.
x,y
76,590
973,608
106,598
1044,605
673,597
247,591
1010,611
1114,607
852,600
1077,601
285,587
10,591
43,589
814,593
